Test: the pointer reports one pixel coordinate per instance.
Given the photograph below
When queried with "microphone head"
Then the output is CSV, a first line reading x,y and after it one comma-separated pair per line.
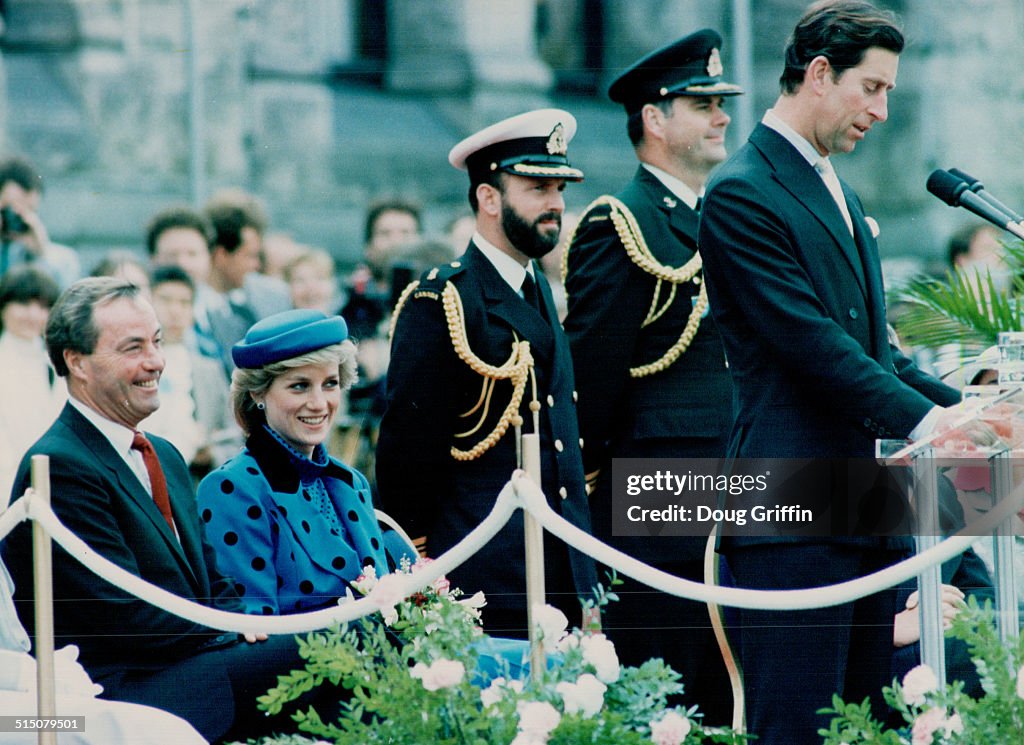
x,y
972,183
946,187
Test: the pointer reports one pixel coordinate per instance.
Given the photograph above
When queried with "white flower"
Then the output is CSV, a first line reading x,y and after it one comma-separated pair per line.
x,y
671,729
493,693
917,682
386,594
551,622
600,653
926,725
585,696
366,581
537,719
954,725
1020,682
567,642
439,674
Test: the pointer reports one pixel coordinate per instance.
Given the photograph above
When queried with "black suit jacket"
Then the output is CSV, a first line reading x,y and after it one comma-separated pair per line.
x,y
800,305
682,411
429,392
96,494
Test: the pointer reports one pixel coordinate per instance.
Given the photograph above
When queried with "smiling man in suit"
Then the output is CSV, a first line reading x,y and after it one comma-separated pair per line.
x,y
130,498
649,364
457,400
793,276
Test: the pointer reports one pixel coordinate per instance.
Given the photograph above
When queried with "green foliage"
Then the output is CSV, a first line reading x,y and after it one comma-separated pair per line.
x,y
949,716
385,664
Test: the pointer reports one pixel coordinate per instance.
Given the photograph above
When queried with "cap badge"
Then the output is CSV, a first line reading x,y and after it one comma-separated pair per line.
x,y
714,63
556,141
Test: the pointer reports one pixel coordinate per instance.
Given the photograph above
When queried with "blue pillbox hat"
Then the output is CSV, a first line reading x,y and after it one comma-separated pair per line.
x,y
286,335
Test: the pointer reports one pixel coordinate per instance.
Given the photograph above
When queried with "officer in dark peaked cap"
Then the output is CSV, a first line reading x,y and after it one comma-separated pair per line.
x,y
477,357
650,370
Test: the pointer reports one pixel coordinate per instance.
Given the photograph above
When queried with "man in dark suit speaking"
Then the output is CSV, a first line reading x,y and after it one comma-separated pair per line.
x,y
130,498
795,286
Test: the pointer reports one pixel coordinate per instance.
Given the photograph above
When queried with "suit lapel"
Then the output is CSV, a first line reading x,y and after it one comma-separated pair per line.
x,y
504,304
794,174
106,457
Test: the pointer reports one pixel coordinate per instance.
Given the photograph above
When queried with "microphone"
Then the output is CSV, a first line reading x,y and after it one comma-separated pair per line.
x,y
956,193
979,188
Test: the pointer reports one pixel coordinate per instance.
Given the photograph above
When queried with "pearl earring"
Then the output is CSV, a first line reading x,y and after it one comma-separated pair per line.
x,y
260,405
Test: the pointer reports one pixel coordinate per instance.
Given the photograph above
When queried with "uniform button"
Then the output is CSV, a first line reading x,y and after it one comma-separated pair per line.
x,y
867,423
559,446
575,396
854,313
563,493
551,400
581,443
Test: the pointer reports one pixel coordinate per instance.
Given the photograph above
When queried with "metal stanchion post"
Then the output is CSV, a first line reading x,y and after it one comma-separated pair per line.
x,y
42,563
1007,611
929,583
534,541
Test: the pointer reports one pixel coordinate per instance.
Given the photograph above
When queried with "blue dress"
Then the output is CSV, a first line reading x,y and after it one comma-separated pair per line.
x,y
292,531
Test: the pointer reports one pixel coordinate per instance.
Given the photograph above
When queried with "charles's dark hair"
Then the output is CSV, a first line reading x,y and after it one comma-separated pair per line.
x,y
841,31
21,171
71,325
26,283
178,216
378,208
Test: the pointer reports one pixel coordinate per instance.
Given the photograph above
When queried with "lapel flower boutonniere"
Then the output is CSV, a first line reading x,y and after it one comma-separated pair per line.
x,y
872,226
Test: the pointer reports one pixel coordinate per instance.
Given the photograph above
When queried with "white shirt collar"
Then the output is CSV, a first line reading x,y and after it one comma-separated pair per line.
x,y
674,185
119,436
510,270
802,145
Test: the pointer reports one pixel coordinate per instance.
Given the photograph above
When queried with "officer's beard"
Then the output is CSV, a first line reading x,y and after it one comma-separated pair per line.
x,y
528,238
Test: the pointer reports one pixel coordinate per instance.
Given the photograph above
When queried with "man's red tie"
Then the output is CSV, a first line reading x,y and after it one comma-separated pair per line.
x,y
156,476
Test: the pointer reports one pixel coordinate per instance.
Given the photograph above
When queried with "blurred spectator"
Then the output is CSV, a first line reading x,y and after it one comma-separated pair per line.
x,y
23,236
551,263
31,395
243,295
125,265
459,230
976,247
279,250
389,225
195,411
180,236
311,281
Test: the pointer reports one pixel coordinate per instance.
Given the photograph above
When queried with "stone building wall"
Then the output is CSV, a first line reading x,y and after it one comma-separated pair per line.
x,y
299,112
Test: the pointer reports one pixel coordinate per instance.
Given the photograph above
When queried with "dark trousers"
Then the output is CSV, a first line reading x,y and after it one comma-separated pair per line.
x,y
794,661
646,623
216,690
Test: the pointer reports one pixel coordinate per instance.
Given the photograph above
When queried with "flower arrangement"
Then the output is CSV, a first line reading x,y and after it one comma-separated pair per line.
x,y
423,671
949,716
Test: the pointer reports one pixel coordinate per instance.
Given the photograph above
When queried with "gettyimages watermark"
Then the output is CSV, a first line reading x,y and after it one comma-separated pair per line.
x,y
780,497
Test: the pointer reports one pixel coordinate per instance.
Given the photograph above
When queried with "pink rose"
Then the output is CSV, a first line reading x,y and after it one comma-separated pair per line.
x,y
671,729
926,725
917,682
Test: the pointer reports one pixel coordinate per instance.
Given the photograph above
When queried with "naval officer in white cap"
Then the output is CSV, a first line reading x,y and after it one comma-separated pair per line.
x,y
477,357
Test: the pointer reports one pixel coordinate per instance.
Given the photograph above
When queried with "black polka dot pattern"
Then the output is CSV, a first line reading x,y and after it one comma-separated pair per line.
x,y
253,470
375,543
231,538
306,495
267,610
338,562
305,526
353,516
254,513
258,564
306,587
207,516
240,589
227,486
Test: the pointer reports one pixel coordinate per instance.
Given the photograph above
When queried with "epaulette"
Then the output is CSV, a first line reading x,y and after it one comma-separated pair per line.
x,y
434,280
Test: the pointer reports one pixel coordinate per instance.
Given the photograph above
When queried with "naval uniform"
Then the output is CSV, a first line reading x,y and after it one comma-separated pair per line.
x,y
443,454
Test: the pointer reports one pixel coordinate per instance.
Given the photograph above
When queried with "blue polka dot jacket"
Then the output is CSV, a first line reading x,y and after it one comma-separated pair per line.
x,y
292,531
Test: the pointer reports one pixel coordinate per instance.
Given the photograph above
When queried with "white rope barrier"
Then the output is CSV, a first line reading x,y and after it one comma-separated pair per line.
x,y
519,492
